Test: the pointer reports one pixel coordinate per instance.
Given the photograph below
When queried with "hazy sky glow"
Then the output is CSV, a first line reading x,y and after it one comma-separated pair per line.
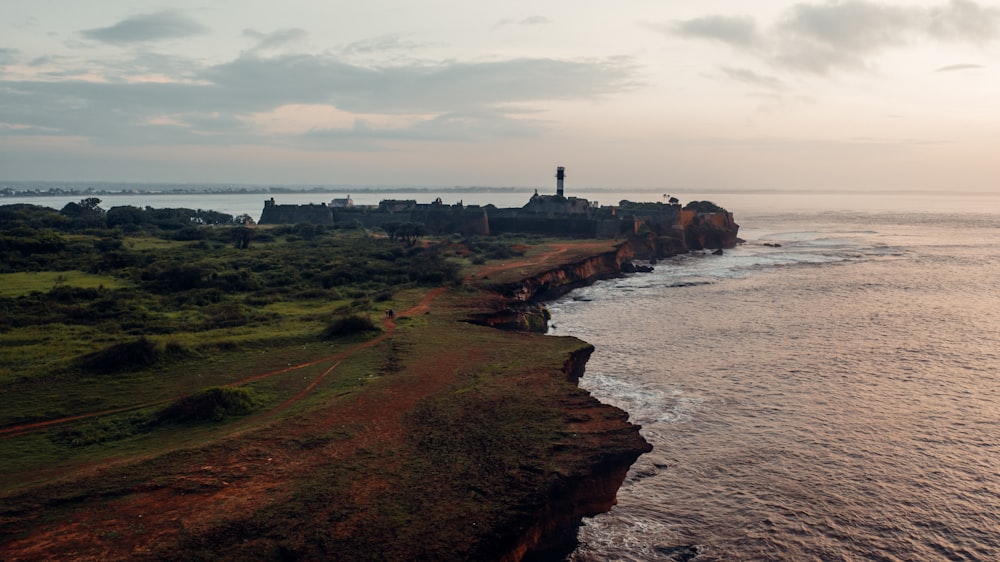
x,y
741,94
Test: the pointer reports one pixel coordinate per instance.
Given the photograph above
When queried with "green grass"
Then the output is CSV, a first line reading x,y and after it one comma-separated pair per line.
x,y
23,283
28,457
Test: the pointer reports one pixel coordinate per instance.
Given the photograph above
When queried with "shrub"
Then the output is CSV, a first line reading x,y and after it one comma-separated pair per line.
x,y
211,404
189,234
128,356
133,356
349,326
105,430
430,268
704,207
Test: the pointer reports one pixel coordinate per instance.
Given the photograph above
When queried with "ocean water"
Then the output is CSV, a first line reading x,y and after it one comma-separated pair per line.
x,y
836,397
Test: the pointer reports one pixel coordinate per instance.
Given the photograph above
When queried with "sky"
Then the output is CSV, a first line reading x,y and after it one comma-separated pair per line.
x,y
842,95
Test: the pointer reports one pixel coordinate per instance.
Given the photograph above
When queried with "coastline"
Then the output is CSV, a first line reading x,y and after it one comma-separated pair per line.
x,y
566,455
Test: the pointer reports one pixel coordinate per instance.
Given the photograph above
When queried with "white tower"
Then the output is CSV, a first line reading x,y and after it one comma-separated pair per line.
x,y
560,176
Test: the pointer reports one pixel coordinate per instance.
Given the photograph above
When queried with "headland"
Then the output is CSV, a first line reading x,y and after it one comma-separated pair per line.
x,y
432,435
658,229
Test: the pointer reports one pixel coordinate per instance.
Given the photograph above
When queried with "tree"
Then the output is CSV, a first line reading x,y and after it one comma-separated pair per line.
x,y
91,204
123,215
410,232
391,228
86,213
242,236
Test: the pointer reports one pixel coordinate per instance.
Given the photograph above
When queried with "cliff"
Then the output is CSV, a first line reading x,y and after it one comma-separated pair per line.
x,y
709,231
602,448
563,279
521,300
604,445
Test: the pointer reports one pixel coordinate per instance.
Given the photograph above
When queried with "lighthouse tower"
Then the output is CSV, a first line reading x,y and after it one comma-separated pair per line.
x,y
560,176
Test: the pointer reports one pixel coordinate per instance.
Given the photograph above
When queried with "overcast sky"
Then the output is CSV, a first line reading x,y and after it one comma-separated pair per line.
x,y
713,94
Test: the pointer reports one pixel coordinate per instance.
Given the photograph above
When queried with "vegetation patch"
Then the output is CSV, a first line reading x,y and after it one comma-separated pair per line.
x,y
703,207
346,326
105,430
130,356
211,404
23,283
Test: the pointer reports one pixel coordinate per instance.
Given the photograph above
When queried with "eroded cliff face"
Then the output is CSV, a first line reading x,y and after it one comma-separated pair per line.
x,y
561,280
595,460
603,444
711,231
524,311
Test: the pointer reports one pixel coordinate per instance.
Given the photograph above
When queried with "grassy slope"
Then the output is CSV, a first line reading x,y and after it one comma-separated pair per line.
x,y
459,419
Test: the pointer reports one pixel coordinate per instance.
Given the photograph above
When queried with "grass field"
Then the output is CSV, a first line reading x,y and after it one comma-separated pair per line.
x,y
18,284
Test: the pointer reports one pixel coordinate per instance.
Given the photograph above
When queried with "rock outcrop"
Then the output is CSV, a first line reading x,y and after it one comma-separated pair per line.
x,y
563,279
523,309
600,452
604,445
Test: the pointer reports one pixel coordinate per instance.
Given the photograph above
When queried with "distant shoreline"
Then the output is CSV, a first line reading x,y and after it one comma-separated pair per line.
x,y
26,189
60,189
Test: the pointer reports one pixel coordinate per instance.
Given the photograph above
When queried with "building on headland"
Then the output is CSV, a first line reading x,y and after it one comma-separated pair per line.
x,y
293,214
342,203
658,229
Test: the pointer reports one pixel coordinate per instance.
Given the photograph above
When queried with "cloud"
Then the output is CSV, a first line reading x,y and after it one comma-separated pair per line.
x,y
380,45
274,40
146,28
954,67
417,88
530,20
535,20
823,37
856,26
216,104
8,56
475,125
752,78
738,31
964,20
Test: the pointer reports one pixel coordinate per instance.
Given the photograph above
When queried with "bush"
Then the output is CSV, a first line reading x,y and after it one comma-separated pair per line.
x,y
128,356
430,268
704,207
132,356
211,404
349,326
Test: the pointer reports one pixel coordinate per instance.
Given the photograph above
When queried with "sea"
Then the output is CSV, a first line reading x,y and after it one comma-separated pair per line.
x,y
828,390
